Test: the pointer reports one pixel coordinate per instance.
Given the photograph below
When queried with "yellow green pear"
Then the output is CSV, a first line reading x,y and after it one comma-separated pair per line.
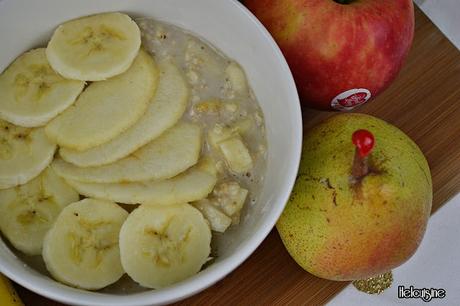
x,y
352,216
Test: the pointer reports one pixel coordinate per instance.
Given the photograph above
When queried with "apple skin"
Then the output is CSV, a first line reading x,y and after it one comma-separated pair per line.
x,y
332,48
341,231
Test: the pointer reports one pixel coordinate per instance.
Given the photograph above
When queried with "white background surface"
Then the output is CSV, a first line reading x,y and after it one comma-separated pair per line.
x,y
446,15
436,264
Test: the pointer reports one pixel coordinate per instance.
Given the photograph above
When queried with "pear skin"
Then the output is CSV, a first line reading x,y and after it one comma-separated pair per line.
x,y
340,228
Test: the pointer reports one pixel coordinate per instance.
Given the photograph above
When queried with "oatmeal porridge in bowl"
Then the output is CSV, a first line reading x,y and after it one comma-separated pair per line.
x,y
163,149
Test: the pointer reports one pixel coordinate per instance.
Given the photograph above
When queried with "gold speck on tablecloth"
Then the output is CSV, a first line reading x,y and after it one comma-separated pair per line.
x,y
376,284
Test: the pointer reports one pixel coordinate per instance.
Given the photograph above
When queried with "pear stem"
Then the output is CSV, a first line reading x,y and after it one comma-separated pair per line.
x,y
360,166
364,142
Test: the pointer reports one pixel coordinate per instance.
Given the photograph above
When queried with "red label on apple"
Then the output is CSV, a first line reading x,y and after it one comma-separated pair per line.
x,y
351,98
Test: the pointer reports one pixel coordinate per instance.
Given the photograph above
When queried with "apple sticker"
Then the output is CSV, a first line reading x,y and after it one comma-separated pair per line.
x,y
349,99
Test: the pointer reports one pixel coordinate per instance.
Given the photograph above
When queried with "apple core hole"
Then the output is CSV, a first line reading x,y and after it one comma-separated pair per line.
x,y
343,1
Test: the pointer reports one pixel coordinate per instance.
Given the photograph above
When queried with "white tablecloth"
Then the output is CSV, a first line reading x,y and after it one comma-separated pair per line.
x,y
445,14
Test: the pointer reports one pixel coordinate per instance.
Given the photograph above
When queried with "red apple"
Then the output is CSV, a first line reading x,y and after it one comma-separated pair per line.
x,y
341,52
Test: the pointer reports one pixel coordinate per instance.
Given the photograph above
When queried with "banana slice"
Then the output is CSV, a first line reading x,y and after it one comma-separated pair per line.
x,y
24,153
170,154
107,108
28,211
81,249
167,106
162,245
31,93
94,48
194,184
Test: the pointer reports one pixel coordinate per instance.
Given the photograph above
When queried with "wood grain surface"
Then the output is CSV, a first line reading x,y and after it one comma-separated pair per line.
x,y
424,102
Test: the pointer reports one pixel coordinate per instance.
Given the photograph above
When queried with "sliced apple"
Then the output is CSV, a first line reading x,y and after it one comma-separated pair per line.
x,y
173,152
165,109
236,154
193,185
235,75
220,133
218,221
230,197
107,108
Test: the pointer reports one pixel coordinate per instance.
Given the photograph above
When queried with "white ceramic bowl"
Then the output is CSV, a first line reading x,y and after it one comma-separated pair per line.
x,y
25,24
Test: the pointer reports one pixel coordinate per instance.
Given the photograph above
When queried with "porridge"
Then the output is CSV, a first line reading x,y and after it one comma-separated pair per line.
x,y
127,150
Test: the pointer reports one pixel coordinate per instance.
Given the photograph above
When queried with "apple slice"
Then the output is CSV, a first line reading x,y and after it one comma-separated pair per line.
x,y
218,221
173,152
106,109
165,109
236,77
193,185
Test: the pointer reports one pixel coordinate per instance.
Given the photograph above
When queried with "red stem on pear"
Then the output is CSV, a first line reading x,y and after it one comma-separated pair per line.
x,y
364,142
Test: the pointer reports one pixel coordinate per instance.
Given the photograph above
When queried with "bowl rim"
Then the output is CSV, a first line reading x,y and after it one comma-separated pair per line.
x,y
226,266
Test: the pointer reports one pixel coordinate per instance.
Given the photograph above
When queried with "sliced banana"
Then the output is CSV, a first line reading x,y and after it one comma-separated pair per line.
x,y
107,108
194,184
168,155
162,245
24,153
81,249
94,48
165,109
31,93
28,211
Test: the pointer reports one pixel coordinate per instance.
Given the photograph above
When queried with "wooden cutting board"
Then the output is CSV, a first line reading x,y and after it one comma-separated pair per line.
x,y
424,102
